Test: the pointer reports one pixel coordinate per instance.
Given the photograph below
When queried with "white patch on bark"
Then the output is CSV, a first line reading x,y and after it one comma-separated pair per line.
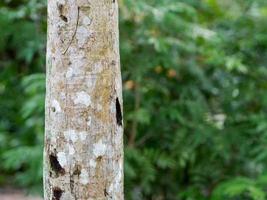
x,y
112,108
99,148
70,73
82,35
82,98
89,121
98,67
84,177
87,21
66,195
98,107
61,156
78,61
116,184
71,150
62,96
53,136
71,135
82,135
54,139
91,83
92,163
56,105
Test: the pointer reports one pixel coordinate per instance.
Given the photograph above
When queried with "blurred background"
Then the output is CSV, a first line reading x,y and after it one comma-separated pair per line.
x,y
195,97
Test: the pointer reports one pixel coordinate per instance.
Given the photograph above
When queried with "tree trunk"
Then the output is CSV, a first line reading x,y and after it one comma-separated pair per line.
x,y
83,154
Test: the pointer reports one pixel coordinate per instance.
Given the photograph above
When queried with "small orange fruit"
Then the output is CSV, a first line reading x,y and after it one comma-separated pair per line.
x,y
129,85
171,73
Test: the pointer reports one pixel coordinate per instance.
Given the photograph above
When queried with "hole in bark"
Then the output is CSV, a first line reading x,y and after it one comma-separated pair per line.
x,y
118,112
99,158
61,11
55,166
53,109
77,170
64,18
57,193
113,1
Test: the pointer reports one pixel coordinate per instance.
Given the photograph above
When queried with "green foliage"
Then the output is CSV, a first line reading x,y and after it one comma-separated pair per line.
x,y
239,188
22,53
195,101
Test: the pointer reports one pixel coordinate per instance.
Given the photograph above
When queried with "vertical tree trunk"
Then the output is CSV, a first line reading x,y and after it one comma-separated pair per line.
x,y
83,154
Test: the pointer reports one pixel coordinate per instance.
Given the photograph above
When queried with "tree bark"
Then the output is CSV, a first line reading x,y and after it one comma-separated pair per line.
x,y
83,153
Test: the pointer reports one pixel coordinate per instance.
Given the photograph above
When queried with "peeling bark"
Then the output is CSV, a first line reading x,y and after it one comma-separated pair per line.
x,y
83,154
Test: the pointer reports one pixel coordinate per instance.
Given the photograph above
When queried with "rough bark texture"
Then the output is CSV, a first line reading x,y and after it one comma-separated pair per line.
x,y
83,154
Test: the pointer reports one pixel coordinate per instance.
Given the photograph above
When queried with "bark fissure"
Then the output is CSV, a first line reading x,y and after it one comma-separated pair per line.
x,y
75,31
118,112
